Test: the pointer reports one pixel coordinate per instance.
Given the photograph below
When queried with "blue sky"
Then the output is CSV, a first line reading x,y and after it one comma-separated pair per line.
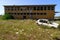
x,y
29,2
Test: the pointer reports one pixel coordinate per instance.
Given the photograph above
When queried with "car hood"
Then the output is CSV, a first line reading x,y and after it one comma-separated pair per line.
x,y
55,24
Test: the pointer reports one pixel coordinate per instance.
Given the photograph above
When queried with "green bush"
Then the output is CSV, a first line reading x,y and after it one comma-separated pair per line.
x,y
7,16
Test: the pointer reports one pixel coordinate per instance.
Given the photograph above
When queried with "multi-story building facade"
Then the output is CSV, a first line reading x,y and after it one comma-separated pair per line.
x,y
30,11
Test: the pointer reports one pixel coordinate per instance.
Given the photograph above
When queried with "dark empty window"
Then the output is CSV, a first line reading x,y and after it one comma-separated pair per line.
x,y
21,13
45,8
27,13
37,13
11,13
18,13
37,8
8,13
18,8
12,8
41,8
44,13
41,13
52,8
15,13
27,8
31,13
34,13
5,8
48,7
34,8
8,8
21,9
24,13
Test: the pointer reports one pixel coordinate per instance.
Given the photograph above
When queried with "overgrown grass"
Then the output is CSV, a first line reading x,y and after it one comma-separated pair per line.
x,y
25,30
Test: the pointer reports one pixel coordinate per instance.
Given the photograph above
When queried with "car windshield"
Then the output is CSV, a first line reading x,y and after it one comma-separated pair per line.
x,y
43,21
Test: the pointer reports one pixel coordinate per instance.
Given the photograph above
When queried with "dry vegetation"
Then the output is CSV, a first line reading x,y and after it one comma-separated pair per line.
x,y
25,30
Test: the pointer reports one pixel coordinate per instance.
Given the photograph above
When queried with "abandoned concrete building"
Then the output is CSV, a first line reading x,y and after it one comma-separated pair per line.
x,y
30,11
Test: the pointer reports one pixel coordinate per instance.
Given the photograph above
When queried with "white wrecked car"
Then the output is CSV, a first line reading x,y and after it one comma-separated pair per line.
x,y
47,23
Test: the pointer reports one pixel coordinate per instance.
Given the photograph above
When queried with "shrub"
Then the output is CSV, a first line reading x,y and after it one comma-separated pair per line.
x,y
7,16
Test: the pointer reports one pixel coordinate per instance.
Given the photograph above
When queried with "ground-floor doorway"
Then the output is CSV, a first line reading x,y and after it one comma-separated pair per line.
x,y
24,17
